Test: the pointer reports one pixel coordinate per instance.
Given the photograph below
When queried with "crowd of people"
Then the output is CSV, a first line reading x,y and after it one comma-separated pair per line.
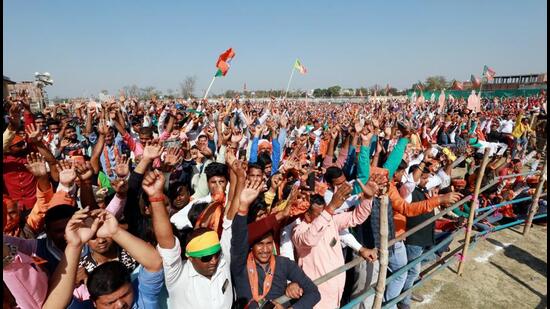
x,y
172,203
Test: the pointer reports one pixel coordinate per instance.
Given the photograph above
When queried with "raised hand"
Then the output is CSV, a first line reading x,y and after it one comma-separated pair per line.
x,y
334,133
250,193
153,150
373,186
109,224
102,127
36,165
283,121
120,186
230,158
122,169
64,143
84,171
81,228
15,116
173,157
239,168
340,196
226,135
153,183
358,126
236,136
34,134
67,173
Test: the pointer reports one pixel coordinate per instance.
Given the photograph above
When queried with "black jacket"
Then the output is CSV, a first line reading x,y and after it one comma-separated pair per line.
x,y
426,236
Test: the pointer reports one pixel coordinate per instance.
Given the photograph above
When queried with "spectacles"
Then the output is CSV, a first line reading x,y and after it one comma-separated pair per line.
x,y
208,258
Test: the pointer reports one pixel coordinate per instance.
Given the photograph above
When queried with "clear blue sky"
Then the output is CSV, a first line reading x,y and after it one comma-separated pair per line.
x,y
88,46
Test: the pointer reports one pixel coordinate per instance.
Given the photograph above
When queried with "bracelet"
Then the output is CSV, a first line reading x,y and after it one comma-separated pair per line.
x,y
156,198
243,213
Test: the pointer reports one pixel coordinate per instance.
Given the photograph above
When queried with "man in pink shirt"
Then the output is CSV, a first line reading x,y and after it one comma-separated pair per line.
x,y
317,241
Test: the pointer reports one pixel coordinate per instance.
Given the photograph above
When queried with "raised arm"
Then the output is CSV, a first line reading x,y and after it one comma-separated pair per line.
x,y
35,138
143,252
77,233
102,129
152,185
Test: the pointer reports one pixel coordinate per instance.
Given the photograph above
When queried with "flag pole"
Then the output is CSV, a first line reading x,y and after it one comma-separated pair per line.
x,y
209,86
289,80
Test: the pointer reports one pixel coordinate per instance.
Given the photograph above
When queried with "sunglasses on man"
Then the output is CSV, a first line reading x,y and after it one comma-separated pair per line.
x,y
208,258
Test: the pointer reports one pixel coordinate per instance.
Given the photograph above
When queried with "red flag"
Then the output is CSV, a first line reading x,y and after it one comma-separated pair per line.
x,y
223,62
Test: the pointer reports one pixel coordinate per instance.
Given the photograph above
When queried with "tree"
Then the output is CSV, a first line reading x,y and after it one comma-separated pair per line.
x,y
131,91
230,93
148,92
188,86
436,83
170,93
334,91
361,91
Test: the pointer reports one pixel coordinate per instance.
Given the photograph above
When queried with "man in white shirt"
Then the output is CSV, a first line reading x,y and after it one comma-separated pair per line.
x,y
506,125
204,279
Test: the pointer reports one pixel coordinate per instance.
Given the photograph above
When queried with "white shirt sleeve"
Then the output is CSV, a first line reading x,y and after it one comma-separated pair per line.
x,y
171,262
348,240
287,248
225,240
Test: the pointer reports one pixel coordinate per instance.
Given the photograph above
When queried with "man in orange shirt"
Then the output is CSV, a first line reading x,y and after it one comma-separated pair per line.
x,y
402,210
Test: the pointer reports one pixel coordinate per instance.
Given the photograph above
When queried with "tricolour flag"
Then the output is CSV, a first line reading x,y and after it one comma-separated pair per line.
x,y
488,73
224,61
476,82
300,67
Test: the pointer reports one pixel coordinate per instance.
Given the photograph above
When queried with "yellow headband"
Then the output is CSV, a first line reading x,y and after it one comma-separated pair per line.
x,y
203,245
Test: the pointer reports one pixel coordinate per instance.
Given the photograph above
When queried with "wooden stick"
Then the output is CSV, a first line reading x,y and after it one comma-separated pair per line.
x,y
473,210
381,284
535,205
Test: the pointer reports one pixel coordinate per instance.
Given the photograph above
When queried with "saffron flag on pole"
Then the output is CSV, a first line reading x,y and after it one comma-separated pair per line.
x,y
300,67
488,73
457,85
224,61
476,82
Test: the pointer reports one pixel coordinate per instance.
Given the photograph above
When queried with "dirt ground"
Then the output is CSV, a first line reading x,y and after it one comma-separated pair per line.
x,y
504,271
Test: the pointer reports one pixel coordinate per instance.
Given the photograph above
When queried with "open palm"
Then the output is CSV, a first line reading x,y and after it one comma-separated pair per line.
x,y
248,195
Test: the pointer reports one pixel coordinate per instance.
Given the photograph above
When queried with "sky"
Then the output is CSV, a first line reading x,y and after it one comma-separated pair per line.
x,y
89,46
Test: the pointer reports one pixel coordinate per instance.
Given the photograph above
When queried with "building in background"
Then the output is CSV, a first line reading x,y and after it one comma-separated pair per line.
x,y
35,89
6,91
35,93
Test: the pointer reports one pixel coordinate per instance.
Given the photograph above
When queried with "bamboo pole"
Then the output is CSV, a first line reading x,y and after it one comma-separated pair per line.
x,y
535,205
209,86
473,210
381,284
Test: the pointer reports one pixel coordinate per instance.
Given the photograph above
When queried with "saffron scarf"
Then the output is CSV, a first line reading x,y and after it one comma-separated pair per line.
x,y
253,279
